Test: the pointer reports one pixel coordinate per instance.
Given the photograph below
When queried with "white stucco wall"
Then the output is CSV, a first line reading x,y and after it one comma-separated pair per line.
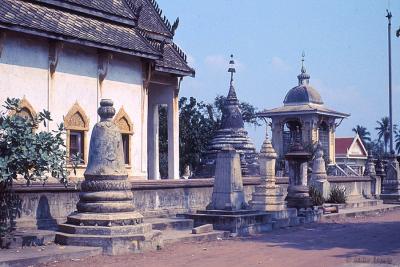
x,y
24,72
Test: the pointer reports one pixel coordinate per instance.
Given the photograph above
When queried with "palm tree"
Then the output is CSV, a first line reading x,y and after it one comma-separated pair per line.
x,y
363,133
383,131
397,140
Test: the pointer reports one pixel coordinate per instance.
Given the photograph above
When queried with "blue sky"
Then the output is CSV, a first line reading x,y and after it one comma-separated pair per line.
x,y
345,42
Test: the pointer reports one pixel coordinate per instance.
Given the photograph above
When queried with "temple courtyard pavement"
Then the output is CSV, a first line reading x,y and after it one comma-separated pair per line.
x,y
360,241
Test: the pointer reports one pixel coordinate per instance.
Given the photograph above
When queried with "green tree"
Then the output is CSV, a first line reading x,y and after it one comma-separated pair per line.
x,y
198,122
29,154
383,131
364,134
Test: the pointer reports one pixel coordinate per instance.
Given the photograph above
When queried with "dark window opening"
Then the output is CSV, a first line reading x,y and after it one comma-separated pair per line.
x,y
125,147
76,144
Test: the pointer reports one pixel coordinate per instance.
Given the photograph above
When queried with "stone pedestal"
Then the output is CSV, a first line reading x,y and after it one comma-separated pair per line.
x,y
105,214
391,183
228,210
268,196
319,178
228,184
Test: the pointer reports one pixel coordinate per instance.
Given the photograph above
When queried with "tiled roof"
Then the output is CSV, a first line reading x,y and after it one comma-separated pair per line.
x,y
31,16
342,144
150,20
173,61
116,7
69,20
302,109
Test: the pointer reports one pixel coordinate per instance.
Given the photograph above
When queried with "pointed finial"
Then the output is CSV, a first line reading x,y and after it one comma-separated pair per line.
x,y
303,76
232,69
389,14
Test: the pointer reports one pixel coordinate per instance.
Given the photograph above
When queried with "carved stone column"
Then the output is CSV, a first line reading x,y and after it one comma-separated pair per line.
x,y
319,178
106,216
268,196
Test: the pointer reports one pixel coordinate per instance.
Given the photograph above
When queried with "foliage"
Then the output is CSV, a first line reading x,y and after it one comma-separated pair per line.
x,y
316,196
337,195
35,156
397,140
198,122
364,134
377,148
383,131
27,153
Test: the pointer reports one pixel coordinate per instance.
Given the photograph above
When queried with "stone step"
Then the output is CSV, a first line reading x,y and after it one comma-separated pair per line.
x,y
185,236
364,211
31,238
172,223
30,256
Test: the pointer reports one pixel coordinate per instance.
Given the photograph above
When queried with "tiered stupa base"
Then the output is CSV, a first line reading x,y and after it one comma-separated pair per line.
x,y
116,233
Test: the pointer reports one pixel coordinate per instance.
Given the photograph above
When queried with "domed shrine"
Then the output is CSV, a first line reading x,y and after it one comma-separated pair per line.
x,y
232,132
304,111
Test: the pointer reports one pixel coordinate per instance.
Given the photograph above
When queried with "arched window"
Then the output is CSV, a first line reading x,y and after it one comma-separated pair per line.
x,y
77,124
125,126
290,130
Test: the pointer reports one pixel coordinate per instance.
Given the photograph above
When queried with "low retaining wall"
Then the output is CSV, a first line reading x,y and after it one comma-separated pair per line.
x,y
45,206
356,186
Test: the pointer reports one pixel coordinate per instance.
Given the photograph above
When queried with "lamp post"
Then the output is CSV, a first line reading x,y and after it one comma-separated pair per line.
x,y
389,17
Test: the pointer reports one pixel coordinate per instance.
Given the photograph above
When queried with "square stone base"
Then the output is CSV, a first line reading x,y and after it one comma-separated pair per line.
x,y
241,222
117,233
113,244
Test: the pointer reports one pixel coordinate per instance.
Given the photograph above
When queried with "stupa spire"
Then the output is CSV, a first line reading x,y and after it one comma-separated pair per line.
x,y
304,77
232,70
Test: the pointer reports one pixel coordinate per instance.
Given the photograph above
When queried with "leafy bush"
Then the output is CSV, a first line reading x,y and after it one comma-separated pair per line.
x,y
316,196
29,154
337,195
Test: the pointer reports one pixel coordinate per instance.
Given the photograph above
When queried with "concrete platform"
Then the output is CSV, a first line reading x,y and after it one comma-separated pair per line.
x,y
31,237
30,256
361,211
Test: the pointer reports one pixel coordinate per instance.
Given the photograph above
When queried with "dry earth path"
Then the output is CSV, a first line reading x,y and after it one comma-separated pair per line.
x,y
335,243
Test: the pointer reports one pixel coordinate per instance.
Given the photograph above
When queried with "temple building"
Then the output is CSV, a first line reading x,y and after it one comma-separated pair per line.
x,y
66,55
304,111
351,155
232,132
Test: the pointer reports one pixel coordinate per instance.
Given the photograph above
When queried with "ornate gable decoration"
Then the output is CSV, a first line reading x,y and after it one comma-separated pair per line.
x,y
123,122
26,110
76,119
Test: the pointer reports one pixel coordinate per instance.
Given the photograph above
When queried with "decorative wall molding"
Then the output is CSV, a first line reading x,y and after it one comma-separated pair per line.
x,y
76,119
123,122
55,48
104,59
3,36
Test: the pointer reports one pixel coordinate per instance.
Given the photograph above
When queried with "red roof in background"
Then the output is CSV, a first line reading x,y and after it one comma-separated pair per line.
x,y
342,144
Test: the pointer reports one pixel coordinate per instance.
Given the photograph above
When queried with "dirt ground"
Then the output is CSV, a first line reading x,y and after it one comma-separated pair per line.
x,y
337,243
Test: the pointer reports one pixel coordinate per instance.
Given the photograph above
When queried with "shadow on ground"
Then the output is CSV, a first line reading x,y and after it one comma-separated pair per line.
x,y
362,238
